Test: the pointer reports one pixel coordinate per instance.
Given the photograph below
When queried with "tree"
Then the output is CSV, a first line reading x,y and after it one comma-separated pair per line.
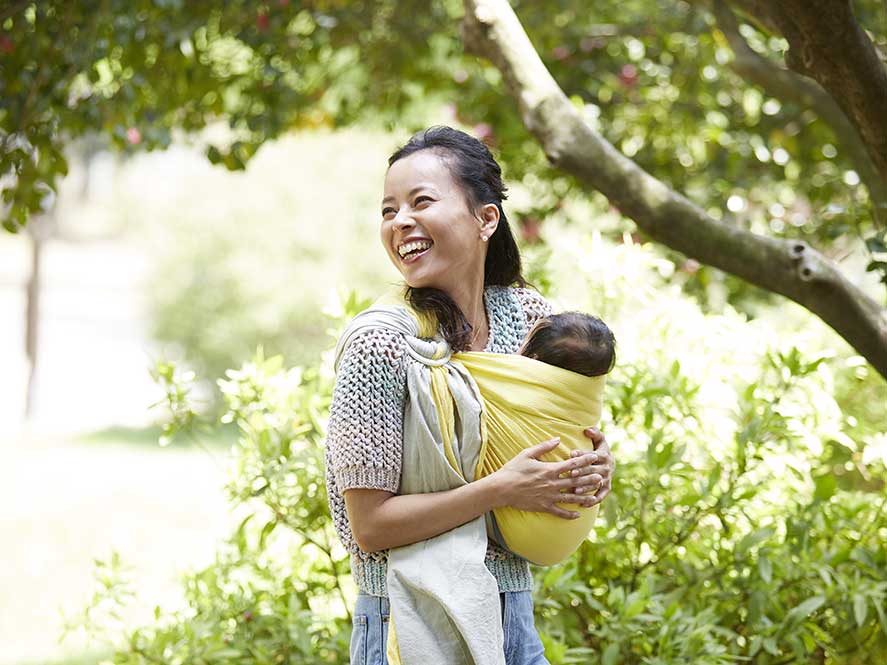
x,y
790,267
797,159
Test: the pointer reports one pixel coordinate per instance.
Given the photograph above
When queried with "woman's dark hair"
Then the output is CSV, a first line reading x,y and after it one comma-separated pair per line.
x,y
575,341
480,177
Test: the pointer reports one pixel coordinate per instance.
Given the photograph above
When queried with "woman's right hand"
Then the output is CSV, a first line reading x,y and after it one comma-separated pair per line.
x,y
526,483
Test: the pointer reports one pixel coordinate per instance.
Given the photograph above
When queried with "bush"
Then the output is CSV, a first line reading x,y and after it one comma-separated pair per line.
x,y
747,521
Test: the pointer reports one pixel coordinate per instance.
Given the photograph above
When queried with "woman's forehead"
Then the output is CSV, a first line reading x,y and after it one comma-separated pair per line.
x,y
423,168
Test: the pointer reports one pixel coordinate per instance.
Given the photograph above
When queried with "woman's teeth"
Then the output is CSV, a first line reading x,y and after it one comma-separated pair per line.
x,y
418,247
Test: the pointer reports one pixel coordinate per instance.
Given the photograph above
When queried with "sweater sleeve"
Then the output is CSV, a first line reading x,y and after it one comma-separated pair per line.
x,y
535,306
365,429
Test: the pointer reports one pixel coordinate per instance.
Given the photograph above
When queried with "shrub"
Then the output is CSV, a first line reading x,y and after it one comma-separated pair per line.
x,y
747,520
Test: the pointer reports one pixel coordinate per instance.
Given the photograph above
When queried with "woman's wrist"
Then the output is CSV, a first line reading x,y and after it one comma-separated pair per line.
x,y
493,492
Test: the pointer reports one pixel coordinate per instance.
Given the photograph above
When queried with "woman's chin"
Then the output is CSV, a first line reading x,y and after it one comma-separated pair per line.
x,y
417,279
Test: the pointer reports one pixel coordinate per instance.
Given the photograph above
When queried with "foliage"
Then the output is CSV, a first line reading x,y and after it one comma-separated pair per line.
x,y
278,590
662,92
735,530
749,516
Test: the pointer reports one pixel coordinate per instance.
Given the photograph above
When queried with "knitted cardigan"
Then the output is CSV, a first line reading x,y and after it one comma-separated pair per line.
x,y
365,431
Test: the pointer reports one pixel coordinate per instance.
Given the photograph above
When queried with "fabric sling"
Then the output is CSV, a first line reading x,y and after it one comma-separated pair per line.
x,y
466,414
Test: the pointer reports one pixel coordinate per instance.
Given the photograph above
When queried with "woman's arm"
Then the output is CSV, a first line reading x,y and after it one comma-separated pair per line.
x,y
381,520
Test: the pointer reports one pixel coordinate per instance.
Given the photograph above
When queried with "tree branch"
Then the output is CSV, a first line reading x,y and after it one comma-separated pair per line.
x,y
827,44
789,86
792,268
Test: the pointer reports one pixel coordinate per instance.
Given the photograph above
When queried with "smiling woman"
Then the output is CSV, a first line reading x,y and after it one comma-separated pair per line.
x,y
444,229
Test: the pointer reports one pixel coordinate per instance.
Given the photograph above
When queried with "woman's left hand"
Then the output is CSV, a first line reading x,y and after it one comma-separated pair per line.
x,y
600,471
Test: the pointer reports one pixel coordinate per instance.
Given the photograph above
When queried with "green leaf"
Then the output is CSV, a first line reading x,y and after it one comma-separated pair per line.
x,y
860,609
765,568
805,609
266,531
214,155
826,485
882,617
755,646
611,654
754,538
809,642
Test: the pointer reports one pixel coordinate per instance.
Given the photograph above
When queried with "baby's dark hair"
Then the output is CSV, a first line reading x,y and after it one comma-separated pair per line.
x,y
575,341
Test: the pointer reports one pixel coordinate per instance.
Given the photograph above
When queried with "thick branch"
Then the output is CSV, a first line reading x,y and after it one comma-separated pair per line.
x,y
827,44
789,86
791,268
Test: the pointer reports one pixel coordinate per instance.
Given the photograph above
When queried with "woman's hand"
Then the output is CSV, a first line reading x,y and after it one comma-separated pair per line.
x,y
526,483
600,469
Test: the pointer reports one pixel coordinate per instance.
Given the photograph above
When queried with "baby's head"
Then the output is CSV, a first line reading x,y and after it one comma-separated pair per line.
x,y
572,340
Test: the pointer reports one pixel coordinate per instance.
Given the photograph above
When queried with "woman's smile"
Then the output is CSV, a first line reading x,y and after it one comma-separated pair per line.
x,y
415,256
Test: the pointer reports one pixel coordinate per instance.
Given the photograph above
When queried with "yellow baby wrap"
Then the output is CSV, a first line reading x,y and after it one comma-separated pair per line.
x,y
525,402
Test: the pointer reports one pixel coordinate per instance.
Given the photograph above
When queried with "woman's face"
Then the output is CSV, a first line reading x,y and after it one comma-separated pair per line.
x,y
423,204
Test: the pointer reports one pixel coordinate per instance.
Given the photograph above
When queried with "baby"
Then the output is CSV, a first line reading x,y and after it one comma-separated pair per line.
x,y
574,341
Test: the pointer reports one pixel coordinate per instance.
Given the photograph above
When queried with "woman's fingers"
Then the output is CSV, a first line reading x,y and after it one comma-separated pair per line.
x,y
584,500
600,495
572,466
594,434
541,448
599,469
560,512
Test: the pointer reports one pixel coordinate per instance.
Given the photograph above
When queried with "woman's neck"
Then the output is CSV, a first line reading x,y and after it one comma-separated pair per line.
x,y
471,302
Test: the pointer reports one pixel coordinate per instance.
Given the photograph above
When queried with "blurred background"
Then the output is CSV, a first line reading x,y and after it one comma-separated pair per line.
x,y
162,256
198,228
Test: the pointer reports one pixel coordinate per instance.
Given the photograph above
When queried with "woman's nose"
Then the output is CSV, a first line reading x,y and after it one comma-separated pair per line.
x,y
403,220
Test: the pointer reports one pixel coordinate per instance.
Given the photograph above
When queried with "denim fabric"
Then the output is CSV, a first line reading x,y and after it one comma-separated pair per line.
x,y
522,643
370,630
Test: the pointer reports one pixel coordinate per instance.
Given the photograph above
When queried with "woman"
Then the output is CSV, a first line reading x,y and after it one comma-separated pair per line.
x,y
444,229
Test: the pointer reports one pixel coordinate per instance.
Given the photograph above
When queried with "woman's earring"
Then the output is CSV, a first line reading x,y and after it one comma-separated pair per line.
x,y
484,238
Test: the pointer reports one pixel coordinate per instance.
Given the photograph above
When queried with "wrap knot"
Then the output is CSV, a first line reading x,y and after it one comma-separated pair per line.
x,y
433,352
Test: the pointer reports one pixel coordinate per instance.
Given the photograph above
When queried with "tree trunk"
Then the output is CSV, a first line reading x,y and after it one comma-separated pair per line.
x,y
32,312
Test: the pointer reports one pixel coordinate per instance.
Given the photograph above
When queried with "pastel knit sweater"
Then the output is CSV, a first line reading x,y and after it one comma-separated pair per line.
x,y
365,432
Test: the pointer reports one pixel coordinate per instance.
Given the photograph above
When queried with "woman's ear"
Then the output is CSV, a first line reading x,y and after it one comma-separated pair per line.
x,y
489,219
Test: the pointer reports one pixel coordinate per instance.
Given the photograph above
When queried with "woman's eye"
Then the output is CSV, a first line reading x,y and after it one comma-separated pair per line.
x,y
392,211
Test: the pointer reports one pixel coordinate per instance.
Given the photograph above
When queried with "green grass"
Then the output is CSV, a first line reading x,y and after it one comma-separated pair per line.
x,y
221,437
85,658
